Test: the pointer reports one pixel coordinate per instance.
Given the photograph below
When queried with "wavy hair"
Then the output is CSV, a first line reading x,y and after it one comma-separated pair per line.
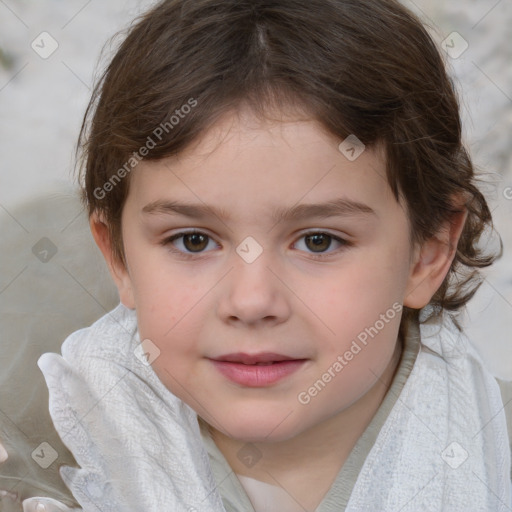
x,y
363,67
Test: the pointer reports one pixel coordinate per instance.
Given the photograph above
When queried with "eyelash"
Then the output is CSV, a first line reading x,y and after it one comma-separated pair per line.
x,y
167,242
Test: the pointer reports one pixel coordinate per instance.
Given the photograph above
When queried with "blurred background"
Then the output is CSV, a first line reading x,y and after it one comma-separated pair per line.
x,y
49,53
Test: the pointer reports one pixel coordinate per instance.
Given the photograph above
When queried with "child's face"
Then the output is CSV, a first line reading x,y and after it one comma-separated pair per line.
x,y
303,298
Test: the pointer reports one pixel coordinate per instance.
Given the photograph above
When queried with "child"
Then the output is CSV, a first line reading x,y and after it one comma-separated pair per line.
x,y
281,194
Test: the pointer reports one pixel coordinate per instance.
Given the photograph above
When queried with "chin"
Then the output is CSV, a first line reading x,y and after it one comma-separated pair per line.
x,y
255,427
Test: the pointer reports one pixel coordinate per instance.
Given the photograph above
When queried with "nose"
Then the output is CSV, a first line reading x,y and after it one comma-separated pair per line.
x,y
253,295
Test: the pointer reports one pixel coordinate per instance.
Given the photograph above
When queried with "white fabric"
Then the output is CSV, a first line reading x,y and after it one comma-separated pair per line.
x,y
45,505
449,398
139,446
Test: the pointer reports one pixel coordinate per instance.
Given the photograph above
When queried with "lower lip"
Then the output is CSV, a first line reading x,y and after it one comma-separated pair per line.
x,y
258,375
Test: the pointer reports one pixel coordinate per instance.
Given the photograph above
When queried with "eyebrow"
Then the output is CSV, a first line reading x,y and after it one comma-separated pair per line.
x,y
334,208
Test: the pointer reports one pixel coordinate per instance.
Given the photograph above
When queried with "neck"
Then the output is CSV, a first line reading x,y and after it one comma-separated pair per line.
x,y
311,461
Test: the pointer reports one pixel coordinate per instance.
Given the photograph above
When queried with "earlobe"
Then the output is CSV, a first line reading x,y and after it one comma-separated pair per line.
x,y
432,262
118,270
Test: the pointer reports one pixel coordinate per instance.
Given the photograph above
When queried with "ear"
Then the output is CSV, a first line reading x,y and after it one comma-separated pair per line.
x,y
117,268
432,260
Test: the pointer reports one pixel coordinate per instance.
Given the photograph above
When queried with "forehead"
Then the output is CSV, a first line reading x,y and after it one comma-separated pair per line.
x,y
244,164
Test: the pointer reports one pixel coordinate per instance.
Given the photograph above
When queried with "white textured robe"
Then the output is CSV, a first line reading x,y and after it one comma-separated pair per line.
x,y
443,446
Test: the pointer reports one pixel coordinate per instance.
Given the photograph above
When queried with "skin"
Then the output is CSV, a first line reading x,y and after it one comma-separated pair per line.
x,y
286,301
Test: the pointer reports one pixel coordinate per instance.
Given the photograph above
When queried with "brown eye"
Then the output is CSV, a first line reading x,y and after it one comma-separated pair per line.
x,y
187,244
195,242
318,242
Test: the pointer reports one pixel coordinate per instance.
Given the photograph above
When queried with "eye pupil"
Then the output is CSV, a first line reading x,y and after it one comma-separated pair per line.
x,y
320,241
198,242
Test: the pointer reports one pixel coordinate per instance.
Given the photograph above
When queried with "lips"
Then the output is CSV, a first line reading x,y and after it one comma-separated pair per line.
x,y
257,370
261,358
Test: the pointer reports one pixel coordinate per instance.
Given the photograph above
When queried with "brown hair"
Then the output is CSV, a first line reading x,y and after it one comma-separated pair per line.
x,y
363,67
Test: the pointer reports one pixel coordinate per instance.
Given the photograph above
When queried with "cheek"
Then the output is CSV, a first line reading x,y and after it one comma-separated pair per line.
x,y
360,318
166,307
353,359
167,323
165,294
354,297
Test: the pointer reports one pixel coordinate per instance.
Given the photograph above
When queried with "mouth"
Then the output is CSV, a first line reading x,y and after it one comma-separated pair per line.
x,y
260,358
256,370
